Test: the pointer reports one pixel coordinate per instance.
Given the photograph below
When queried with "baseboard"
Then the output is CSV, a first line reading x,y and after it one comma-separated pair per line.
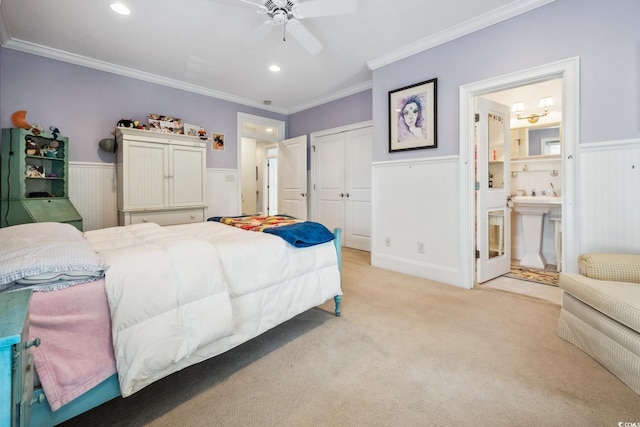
x,y
419,269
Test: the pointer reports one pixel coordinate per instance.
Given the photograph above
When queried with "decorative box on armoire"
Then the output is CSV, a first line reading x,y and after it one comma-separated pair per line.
x,y
161,177
34,175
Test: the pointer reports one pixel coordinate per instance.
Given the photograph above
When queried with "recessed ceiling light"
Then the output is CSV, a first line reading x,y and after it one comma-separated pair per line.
x,y
274,68
120,8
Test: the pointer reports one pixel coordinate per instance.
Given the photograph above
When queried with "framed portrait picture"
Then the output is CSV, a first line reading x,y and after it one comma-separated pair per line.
x,y
413,117
217,141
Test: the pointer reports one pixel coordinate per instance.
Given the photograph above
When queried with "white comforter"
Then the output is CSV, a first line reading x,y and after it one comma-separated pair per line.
x,y
179,295
167,296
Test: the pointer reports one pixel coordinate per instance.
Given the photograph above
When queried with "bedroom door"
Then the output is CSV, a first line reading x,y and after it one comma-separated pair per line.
x,y
292,177
493,189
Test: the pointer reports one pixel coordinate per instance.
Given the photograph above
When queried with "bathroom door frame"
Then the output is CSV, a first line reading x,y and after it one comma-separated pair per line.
x,y
568,71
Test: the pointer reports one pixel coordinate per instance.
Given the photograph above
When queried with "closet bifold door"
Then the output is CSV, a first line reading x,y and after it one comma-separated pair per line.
x,y
342,194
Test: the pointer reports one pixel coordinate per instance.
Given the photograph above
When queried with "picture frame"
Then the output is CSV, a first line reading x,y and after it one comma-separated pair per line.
x,y
191,130
413,117
217,142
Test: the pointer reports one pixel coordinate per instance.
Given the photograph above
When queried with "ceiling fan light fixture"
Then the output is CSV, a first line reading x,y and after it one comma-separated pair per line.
x,y
286,13
279,17
274,68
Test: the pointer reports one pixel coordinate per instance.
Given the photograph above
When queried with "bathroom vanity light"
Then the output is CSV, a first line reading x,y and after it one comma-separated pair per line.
x,y
545,103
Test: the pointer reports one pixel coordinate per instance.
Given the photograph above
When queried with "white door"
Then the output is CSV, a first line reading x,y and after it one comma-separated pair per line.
x,y
493,216
342,184
292,177
271,184
329,182
358,152
249,177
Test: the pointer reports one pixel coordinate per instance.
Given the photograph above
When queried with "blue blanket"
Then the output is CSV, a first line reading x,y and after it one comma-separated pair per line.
x,y
300,234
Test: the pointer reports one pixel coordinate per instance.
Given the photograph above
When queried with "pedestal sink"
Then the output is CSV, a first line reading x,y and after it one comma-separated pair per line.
x,y
532,210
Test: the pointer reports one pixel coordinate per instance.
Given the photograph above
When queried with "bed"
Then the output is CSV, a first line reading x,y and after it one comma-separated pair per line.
x,y
130,313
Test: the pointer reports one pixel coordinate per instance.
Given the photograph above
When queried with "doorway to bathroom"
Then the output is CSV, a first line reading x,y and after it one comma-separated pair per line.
x,y
566,72
529,230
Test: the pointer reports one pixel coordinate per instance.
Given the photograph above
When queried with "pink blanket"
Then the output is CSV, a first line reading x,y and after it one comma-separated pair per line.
x,y
76,352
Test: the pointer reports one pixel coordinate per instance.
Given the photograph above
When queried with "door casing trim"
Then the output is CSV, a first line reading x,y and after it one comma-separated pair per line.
x,y
250,118
568,71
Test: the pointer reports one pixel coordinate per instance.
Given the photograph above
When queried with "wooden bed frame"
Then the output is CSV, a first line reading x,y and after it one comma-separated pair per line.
x,y
42,415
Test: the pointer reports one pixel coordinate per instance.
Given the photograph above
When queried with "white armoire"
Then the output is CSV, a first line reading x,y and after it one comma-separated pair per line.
x,y
161,177
341,189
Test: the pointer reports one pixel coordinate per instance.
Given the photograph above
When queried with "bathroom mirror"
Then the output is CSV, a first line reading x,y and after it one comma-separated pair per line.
x,y
536,141
550,146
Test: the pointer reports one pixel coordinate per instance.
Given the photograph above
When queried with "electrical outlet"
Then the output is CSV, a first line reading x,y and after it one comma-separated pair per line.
x,y
387,241
420,247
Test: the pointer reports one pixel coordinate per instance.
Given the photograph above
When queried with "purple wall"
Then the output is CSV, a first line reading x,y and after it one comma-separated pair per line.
x,y
351,109
85,104
604,35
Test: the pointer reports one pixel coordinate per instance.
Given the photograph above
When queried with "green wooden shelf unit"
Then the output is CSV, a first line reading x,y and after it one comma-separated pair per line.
x,y
34,175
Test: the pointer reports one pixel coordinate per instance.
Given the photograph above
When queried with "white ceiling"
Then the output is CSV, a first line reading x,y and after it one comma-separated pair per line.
x,y
196,45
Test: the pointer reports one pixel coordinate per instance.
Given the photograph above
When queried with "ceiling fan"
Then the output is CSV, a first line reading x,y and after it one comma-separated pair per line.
x,y
287,13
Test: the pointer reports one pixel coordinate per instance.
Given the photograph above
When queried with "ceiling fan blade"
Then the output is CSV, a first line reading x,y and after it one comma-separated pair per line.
x,y
303,36
315,8
260,33
261,7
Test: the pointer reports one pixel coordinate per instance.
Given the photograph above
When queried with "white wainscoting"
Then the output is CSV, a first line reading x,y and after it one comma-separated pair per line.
x,y
609,196
93,190
222,192
417,201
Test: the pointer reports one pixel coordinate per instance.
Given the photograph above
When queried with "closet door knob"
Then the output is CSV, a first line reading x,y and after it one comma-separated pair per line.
x,y
341,195
347,194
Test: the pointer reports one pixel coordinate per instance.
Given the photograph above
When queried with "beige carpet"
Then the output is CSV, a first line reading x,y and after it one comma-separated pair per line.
x,y
406,352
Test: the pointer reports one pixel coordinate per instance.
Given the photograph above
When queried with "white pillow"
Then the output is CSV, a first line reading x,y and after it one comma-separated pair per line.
x,y
46,253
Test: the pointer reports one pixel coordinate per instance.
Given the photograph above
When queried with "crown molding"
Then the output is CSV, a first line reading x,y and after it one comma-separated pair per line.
x,y
4,28
515,8
488,19
361,87
84,61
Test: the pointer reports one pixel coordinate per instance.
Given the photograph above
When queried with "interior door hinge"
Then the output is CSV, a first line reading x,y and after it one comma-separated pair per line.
x,y
313,147
477,186
477,117
477,254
